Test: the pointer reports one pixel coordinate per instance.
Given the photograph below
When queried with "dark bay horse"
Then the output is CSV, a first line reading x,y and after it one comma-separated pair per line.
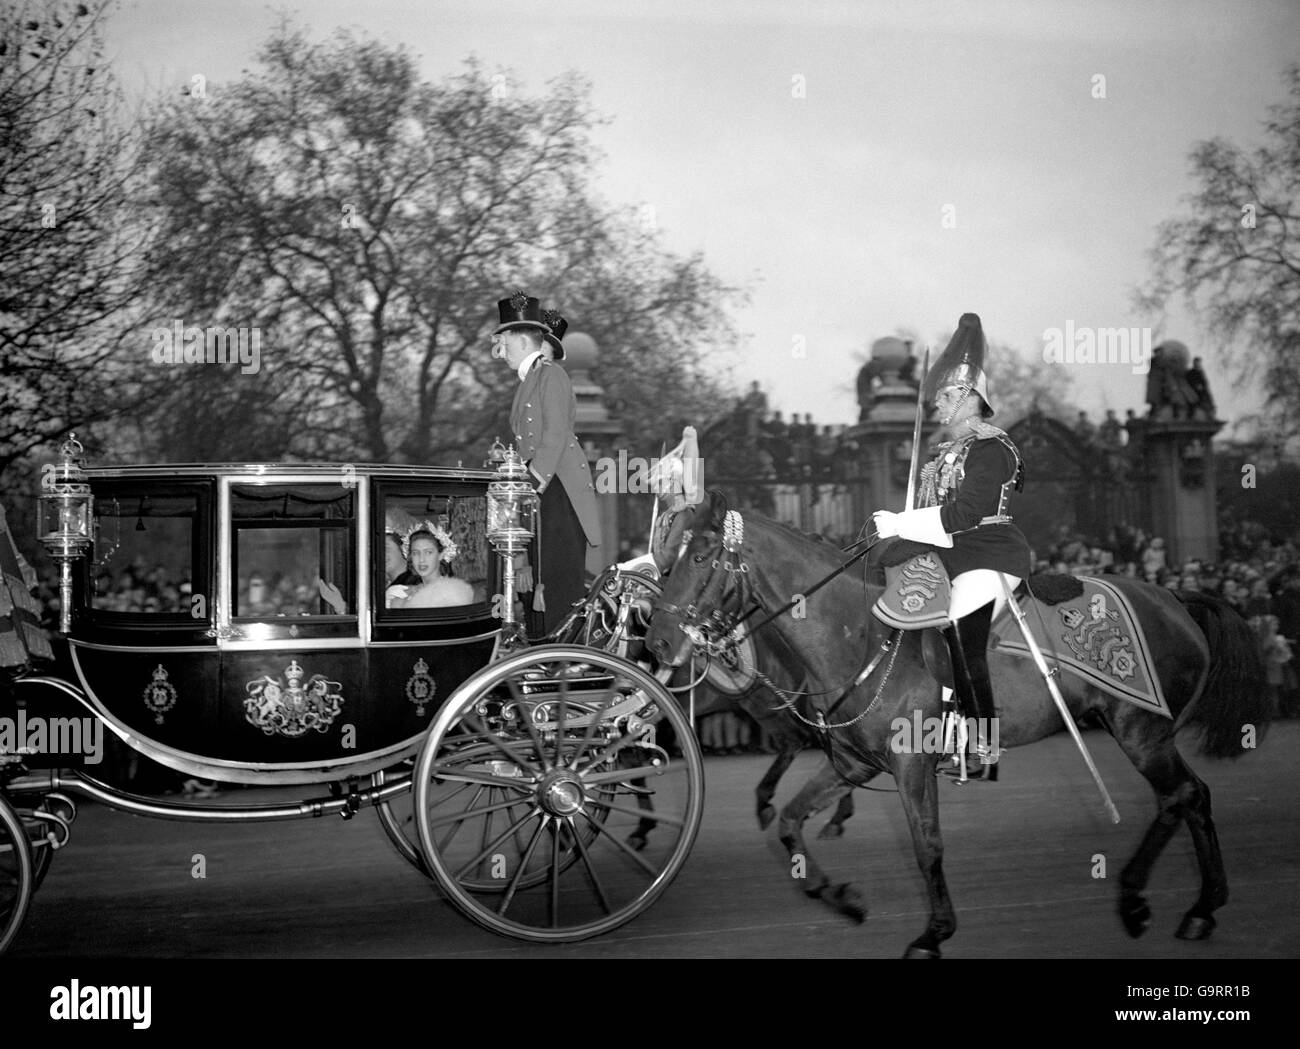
x,y
777,675
773,672
1204,653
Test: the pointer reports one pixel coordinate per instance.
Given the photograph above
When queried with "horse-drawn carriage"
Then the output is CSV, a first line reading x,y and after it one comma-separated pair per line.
x,y
554,791
230,622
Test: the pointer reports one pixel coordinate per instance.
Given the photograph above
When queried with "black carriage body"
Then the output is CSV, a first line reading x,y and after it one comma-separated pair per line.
x,y
231,621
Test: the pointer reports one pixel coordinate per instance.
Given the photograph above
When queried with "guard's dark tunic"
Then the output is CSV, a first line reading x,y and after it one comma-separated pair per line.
x,y
972,480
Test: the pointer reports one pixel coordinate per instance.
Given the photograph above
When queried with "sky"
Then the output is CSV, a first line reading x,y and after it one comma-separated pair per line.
x,y
858,167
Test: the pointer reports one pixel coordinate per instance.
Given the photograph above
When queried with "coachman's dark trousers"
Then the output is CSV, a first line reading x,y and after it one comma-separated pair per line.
x,y
561,561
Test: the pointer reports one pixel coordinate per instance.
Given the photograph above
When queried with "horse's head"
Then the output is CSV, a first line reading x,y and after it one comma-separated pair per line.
x,y
701,585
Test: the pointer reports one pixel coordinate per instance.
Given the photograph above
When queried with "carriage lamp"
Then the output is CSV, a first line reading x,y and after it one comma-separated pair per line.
x,y
64,519
511,525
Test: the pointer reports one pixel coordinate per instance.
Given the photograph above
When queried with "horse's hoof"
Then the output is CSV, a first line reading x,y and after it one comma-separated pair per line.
x,y
1195,927
1136,916
832,830
765,817
848,899
914,951
637,841
818,891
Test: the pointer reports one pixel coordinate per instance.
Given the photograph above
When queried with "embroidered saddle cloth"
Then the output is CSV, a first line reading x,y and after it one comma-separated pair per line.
x,y
916,594
1094,634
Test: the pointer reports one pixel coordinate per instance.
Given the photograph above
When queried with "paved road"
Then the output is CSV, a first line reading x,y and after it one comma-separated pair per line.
x,y
1020,860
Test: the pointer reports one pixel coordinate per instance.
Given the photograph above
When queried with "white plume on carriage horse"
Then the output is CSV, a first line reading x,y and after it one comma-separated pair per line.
x,y
677,479
678,475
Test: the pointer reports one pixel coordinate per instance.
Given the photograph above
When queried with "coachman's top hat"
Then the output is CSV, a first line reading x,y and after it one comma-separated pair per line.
x,y
558,326
520,311
962,362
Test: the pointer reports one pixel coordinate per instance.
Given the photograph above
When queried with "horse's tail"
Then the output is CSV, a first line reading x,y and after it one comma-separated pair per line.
x,y
1236,695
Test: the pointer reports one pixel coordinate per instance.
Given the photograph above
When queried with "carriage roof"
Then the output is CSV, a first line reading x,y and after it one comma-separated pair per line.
x,y
306,471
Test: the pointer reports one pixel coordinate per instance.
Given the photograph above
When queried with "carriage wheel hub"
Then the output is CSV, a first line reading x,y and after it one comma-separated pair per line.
x,y
561,793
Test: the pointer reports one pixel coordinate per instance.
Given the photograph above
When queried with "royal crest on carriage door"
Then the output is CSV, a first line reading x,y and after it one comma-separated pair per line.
x,y
293,708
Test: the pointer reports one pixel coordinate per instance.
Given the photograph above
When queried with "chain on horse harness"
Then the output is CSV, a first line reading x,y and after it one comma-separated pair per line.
x,y
733,536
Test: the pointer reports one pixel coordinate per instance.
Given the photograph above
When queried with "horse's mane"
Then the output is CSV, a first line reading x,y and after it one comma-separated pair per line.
x,y
719,505
787,539
816,538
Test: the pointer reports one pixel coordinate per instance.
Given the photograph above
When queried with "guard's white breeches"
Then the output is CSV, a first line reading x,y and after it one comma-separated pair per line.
x,y
975,589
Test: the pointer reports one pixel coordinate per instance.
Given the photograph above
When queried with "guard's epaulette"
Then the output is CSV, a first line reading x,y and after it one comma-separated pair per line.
x,y
985,430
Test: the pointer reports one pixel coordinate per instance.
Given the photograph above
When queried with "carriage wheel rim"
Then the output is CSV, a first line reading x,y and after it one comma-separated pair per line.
x,y
555,824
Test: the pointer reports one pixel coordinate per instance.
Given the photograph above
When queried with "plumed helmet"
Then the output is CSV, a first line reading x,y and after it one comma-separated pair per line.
x,y
962,362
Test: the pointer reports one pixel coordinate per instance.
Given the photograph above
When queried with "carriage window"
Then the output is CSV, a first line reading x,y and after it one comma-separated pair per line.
x,y
144,552
293,551
435,551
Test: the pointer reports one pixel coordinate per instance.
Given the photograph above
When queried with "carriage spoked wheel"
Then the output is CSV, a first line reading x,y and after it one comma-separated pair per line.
x,y
537,786
397,817
17,875
602,607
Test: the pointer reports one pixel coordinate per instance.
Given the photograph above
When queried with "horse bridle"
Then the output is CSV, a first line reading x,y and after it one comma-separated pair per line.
x,y
710,632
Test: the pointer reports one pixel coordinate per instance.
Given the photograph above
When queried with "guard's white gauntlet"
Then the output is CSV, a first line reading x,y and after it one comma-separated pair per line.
x,y
921,526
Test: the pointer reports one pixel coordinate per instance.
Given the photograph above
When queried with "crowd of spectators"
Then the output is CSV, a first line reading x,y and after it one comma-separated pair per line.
x,y
793,450
138,588
1256,575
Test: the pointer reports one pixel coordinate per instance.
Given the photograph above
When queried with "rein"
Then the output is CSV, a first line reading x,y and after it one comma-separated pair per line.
x,y
732,562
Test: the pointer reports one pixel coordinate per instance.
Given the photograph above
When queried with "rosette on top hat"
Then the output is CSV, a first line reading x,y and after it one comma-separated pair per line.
x,y
558,326
962,362
520,311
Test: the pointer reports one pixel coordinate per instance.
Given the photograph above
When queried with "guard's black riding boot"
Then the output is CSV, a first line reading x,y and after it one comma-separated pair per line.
x,y
968,640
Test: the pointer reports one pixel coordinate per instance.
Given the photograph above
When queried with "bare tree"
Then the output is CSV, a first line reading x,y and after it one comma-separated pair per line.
x,y
1234,257
69,244
1019,383
366,222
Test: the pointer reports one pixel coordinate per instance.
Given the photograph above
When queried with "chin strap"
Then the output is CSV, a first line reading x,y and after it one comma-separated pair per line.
x,y
952,412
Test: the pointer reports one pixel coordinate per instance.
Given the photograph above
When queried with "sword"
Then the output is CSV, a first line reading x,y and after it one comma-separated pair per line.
x,y
1048,677
916,433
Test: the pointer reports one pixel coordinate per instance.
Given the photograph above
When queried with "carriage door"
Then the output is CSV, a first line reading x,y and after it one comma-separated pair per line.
x,y
293,663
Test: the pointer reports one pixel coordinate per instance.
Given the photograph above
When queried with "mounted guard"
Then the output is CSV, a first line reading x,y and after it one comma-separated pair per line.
x,y
960,528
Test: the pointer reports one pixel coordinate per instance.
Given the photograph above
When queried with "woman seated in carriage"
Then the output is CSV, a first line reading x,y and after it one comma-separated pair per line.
x,y
427,547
